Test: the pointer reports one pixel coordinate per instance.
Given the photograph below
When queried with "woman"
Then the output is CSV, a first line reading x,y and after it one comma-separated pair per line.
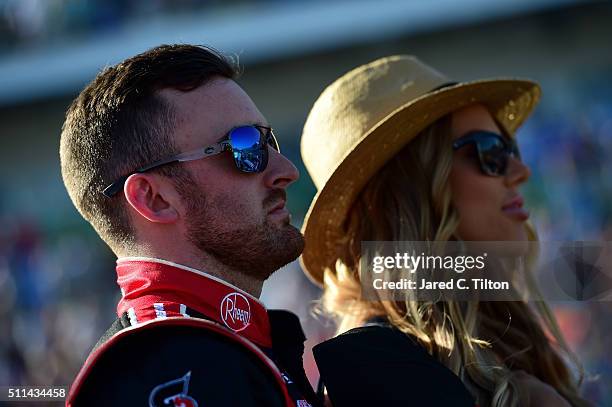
x,y
400,153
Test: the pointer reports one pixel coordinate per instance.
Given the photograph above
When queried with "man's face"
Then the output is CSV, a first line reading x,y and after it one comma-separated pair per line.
x,y
240,219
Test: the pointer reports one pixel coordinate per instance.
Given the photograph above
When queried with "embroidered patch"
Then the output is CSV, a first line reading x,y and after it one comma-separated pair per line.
x,y
303,403
235,311
173,394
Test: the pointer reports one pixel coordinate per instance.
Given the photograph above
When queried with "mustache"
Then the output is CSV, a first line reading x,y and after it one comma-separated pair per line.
x,y
274,197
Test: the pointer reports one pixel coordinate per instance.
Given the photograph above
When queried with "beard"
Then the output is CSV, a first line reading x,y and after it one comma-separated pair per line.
x,y
256,249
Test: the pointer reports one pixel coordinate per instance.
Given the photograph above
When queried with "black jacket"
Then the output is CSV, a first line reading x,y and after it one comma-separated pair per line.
x,y
377,365
193,362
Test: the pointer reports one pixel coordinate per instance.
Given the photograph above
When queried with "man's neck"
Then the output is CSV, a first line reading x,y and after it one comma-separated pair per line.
x,y
239,279
209,265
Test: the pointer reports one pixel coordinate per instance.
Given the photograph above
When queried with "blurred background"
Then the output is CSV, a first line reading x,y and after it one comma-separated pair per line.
x,y
57,279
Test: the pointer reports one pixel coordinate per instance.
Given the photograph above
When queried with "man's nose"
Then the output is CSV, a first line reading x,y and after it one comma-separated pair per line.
x,y
280,172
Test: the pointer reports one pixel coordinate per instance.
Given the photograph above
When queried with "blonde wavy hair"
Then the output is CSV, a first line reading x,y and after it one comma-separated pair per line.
x,y
482,342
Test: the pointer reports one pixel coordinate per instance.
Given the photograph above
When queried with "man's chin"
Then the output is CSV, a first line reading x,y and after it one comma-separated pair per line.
x,y
292,243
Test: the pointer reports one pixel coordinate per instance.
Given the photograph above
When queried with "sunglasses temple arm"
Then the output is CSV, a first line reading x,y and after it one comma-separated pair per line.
x,y
460,143
113,188
116,186
201,153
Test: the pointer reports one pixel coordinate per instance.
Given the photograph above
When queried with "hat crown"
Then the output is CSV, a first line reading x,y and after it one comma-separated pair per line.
x,y
356,103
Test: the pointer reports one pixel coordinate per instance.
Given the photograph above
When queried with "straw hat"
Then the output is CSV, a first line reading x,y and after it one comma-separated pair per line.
x,y
365,117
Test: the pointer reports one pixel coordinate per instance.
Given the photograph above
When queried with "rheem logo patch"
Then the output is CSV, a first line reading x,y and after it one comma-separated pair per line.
x,y
235,311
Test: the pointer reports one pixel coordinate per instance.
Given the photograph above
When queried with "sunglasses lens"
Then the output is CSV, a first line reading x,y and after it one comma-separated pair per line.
x,y
249,155
493,155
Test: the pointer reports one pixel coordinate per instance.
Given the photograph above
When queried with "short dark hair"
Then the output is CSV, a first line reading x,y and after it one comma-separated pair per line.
x,y
119,123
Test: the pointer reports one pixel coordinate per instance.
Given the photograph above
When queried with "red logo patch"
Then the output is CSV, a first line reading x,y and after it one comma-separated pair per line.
x,y
236,311
172,394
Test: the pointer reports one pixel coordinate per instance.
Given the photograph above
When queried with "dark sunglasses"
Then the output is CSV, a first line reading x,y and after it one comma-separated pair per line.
x,y
493,150
248,144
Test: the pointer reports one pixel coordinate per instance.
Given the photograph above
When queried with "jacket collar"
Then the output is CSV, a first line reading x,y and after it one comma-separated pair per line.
x,y
154,289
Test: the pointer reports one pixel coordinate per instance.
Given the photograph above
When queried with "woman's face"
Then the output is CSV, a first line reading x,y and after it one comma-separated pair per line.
x,y
490,208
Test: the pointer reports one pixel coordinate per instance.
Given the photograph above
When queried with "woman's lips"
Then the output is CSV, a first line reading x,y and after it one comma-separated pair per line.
x,y
517,213
515,209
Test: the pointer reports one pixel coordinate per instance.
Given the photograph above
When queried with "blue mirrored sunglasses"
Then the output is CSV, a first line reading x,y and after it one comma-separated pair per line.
x,y
248,144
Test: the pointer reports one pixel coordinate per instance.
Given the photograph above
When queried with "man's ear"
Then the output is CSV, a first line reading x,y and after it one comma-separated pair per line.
x,y
153,200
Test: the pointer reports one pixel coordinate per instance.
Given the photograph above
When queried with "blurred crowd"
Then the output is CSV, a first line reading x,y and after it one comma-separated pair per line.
x,y
56,296
571,195
31,22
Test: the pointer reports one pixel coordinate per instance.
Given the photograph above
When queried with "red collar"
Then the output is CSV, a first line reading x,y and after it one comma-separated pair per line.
x,y
154,289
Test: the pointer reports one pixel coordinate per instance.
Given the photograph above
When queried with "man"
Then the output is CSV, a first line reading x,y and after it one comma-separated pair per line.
x,y
179,173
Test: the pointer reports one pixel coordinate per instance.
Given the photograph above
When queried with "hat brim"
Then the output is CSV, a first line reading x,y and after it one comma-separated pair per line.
x,y
510,100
